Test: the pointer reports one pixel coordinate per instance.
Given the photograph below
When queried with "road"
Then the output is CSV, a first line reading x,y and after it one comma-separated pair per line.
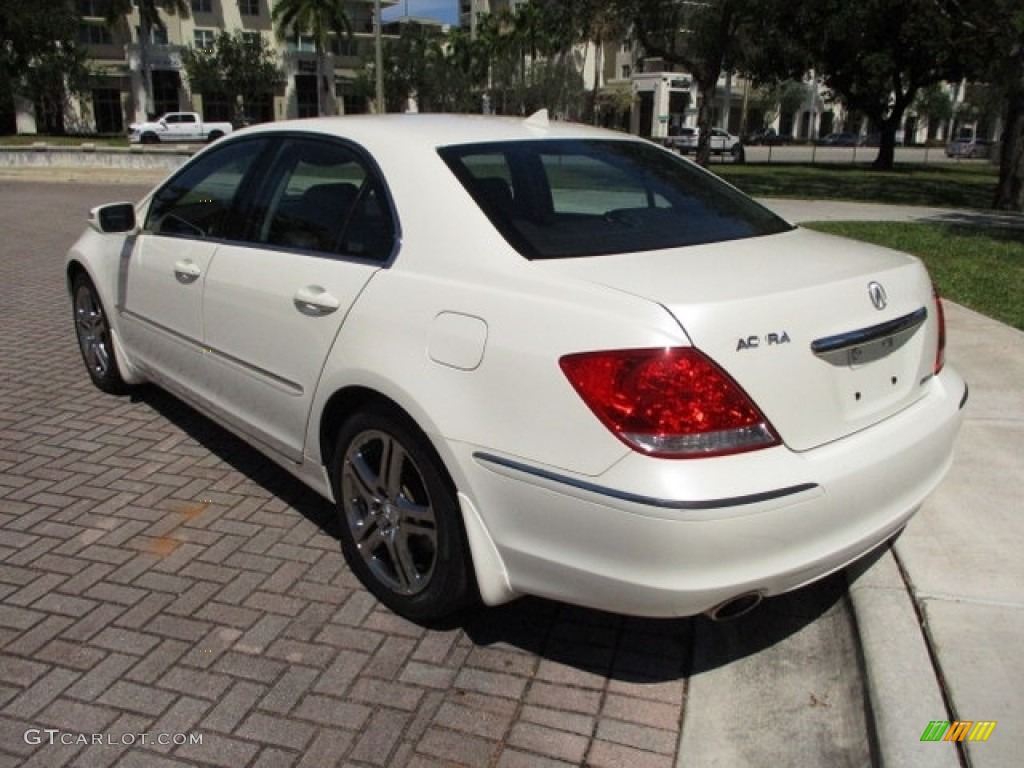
x,y
847,155
158,576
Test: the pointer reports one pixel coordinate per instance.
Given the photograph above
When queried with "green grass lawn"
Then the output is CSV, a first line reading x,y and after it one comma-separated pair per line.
x,y
940,185
981,268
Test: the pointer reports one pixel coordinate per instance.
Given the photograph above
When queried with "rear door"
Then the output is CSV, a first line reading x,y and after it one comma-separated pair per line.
x,y
183,127
319,229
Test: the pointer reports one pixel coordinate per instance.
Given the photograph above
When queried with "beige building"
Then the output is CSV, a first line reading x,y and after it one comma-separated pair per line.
x,y
118,98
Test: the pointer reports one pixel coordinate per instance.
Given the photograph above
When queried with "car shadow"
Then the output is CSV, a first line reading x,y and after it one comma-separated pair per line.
x,y
242,457
1007,225
608,645
636,649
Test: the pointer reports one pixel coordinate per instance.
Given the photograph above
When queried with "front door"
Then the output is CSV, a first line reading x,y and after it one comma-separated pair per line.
x,y
163,278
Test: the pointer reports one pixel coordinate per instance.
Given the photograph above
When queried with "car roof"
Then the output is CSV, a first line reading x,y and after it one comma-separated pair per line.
x,y
437,130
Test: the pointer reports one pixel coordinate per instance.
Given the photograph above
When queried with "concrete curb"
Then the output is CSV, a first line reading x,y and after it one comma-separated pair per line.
x,y
903,689
87,164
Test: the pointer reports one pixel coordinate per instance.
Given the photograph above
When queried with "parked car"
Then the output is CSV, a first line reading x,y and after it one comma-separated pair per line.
x,y
722,142
530,357
177,127
841,140
769,138
969,147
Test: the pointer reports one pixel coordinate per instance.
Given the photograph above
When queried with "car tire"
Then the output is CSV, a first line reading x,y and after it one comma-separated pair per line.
x,y
214,135
149,138
94,338
401,527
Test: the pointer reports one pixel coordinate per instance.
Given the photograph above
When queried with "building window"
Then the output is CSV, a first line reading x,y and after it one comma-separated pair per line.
x,y
94,34
344,46
249,7
89,8
252,39
626,71
304,44
157,35
202,6
203,39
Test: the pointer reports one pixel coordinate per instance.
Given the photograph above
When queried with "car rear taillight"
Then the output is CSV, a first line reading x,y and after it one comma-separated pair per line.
x,y
940,348
673,403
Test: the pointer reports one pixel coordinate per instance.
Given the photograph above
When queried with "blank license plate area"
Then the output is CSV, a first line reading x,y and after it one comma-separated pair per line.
x,y
878,374
873,351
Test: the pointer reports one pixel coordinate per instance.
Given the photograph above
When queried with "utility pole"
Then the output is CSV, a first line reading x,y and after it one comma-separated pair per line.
x,y
379,67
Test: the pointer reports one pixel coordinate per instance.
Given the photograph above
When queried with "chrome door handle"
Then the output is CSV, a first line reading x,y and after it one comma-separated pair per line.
x,y
315,300
186,271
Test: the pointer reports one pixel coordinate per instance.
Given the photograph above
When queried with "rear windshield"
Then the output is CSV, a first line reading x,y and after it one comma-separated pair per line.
x,y
570,198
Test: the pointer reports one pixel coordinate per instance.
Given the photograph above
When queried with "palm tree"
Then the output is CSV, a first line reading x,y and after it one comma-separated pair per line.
x,y
149,18
318,18
606,25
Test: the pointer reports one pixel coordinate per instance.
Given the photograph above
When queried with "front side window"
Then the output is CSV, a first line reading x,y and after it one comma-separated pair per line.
x,y
322,196
573,198
197,202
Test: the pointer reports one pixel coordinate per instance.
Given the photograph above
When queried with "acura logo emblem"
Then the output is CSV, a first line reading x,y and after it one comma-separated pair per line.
x,y
877,294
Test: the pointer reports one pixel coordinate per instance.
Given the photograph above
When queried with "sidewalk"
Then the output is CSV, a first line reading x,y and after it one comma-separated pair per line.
x,y
959,562
797,211
941,615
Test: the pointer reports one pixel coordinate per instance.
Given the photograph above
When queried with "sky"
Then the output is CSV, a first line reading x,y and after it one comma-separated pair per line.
x,y
446,11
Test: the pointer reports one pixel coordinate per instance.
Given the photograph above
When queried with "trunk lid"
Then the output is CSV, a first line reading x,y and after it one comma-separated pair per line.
x,y
827,335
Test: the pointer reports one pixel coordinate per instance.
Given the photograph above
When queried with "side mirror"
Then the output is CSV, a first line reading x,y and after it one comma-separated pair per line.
x,y
113,218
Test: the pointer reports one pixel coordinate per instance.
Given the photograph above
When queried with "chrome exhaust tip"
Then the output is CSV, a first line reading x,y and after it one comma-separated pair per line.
x,y
734,607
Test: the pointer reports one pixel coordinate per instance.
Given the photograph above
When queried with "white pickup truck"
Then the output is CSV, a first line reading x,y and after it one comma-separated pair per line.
x,y
722,142
176,127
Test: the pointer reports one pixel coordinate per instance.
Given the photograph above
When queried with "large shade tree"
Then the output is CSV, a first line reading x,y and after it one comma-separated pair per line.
x,y
319,19
992,34
39,60
118,11
243,69
875,56
704,39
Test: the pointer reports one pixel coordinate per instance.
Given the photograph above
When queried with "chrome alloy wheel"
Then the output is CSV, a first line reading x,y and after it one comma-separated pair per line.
x,y
389,512
93,332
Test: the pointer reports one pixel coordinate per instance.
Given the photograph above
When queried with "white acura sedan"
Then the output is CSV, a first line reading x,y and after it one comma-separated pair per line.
x,y
524,357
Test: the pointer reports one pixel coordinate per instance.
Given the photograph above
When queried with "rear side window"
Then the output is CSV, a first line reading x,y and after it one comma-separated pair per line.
x,y
322,196
574,198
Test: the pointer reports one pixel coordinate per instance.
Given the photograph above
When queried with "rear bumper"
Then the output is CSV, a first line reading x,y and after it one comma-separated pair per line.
x,y
657,537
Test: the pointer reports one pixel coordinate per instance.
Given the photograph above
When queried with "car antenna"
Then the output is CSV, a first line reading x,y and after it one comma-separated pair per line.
x,y
538,119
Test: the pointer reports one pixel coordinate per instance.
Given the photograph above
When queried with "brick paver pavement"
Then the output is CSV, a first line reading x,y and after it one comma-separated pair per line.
x,y
159,578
